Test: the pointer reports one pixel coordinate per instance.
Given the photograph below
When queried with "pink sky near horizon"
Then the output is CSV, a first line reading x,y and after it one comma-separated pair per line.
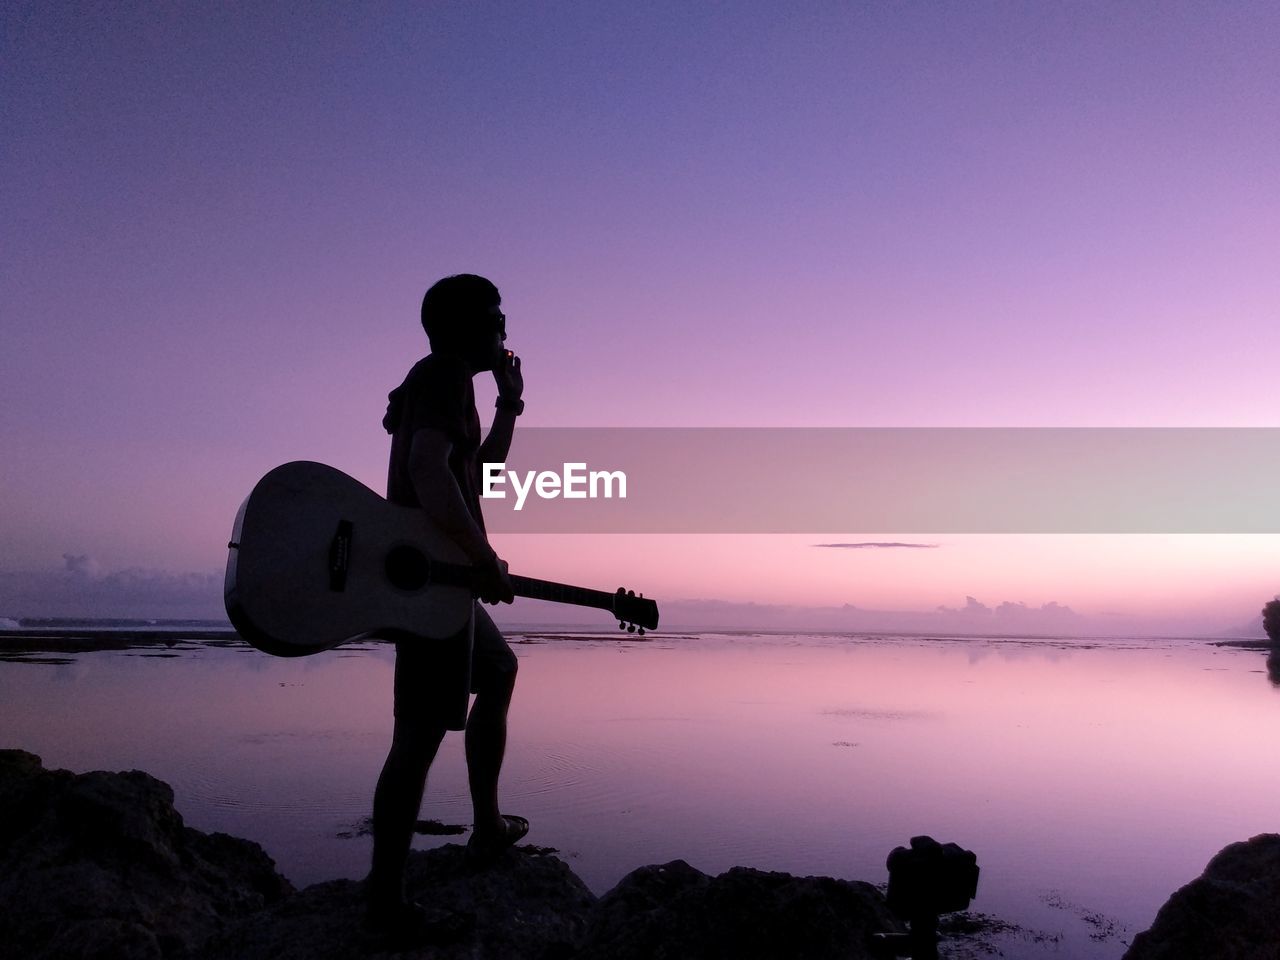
x,y
220,224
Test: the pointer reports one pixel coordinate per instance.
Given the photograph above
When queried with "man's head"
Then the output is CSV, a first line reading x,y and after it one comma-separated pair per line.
x,y
462,316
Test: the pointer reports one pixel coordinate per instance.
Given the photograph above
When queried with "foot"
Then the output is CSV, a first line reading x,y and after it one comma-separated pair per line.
x,y
405,925
486,846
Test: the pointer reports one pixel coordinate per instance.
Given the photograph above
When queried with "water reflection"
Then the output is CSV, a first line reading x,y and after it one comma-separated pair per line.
x,y
1273,666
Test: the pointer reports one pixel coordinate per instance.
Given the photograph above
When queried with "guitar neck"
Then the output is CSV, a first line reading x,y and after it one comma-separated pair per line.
x,y
530,587
561,593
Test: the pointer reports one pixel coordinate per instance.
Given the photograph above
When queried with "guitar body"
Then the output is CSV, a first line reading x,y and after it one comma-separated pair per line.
x,y
317,558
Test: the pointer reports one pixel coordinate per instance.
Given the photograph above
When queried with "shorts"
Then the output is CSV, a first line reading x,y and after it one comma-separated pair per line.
x,y
434,678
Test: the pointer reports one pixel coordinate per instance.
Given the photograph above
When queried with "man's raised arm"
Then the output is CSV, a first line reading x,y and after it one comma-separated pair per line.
x,y
510,383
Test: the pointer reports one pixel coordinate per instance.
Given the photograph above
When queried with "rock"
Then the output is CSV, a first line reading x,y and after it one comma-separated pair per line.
x,y
674,912
525,907
101,865
1231,912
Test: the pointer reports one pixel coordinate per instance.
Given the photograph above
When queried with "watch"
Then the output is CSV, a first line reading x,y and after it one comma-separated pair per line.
x,y
515,406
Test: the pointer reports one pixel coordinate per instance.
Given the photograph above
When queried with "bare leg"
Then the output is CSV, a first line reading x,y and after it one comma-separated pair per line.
x,y
396,803
486,741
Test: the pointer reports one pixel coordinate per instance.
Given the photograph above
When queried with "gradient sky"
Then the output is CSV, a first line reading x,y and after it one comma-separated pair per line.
x,y
220,222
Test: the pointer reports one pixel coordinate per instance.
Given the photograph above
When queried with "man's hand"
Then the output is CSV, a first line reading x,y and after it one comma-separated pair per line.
x,y
508,377
492,584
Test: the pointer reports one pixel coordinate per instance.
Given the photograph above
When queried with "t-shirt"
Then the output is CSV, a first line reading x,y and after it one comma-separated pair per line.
x,y
436,393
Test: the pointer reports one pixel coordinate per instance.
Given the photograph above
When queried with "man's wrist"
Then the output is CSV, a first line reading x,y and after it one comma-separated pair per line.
x,y
510,404
489,558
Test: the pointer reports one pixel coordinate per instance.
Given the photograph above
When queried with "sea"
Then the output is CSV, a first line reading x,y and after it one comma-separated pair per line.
x,y
1091,777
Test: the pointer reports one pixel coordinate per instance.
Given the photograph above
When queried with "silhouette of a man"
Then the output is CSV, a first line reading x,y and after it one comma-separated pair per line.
x,y
436,453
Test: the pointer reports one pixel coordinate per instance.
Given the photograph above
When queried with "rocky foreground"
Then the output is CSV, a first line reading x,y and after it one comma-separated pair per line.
x,y
100,865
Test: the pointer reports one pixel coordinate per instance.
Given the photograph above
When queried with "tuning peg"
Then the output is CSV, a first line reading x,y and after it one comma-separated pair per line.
x,y
621,591
641,631
621,625
631,628
631,593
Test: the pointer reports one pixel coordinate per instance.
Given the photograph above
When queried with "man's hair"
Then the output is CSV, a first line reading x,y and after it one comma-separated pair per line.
x,y
450,307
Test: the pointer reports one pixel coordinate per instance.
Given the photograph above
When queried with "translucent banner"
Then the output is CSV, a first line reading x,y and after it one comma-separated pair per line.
x,y
887,480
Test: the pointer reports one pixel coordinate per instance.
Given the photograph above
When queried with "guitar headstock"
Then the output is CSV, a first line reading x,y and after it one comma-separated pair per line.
x,y
634,613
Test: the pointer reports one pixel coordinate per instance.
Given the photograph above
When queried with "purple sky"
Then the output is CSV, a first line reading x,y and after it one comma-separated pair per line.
x,y
220,223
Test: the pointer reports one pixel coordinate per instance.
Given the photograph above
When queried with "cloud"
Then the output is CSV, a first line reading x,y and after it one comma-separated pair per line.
x,y
971,607
879,545
80,589
1016,612
80,566
974,618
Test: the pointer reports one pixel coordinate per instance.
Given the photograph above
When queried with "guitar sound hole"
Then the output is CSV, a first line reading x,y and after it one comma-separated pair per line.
x,y
407,568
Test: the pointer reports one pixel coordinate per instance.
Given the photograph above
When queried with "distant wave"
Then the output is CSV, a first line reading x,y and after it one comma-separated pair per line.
x,y
8,623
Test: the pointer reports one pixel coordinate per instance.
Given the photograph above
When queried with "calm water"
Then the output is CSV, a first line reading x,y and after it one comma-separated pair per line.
x,y
1092,778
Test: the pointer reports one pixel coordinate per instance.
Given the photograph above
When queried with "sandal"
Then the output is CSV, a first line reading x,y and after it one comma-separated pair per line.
x,y
482,851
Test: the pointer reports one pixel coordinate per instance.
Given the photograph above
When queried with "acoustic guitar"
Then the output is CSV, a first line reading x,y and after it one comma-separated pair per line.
x,y
316,558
